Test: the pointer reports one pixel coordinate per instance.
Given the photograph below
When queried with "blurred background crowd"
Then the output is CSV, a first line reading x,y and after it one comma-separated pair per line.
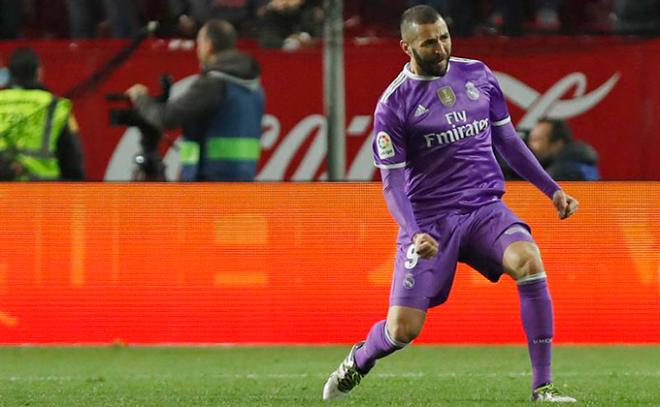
x,y
272,21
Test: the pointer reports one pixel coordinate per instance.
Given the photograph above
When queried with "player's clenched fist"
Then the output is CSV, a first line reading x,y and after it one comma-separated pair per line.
x,y
565,204
425,245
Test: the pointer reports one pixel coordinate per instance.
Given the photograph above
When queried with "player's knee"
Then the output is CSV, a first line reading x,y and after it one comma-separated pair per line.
x,y
403,331
523,260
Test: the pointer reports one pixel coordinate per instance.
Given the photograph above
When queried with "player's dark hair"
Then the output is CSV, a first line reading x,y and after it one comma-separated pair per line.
x,y
221,34
23,66
421,14
559,130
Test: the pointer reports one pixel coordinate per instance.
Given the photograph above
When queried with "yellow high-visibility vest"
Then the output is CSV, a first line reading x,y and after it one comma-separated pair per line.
x,y
31,120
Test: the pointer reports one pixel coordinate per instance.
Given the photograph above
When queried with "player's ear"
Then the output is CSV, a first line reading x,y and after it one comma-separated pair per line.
x,y
405,47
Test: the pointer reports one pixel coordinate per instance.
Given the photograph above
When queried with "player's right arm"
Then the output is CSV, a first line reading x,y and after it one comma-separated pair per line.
x,y
389,151
202,97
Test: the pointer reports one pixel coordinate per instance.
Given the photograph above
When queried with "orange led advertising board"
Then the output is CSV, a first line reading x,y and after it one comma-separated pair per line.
x,y
299,263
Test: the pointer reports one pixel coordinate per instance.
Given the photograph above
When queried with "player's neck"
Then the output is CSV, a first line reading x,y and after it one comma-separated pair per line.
x,y
415,69
417,72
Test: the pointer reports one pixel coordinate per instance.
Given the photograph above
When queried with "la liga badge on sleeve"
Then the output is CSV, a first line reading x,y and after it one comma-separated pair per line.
x,y
384,145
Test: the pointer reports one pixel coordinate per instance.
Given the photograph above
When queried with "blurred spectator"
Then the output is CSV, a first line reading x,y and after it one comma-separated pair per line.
x,y
220,113
461,15
441,5
546,14
373,18
85,16
192,14
290,24
512,15
587,16
11,16
563,158
638,16
38,133
508,17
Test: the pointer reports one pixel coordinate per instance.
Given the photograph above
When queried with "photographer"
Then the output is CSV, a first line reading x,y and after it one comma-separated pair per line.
x,y
220,113
38,134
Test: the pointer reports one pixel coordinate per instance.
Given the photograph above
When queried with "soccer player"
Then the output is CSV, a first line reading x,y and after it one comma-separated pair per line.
x,y
435,128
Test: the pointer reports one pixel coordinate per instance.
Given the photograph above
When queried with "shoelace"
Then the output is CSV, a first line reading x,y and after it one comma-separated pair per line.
x,y
351,379
348,377
549,390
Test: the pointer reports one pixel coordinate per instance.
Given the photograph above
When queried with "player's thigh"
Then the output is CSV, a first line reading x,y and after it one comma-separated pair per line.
x,y
424,283
494,229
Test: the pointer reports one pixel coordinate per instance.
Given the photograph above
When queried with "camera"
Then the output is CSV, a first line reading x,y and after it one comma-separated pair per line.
x,y
149,162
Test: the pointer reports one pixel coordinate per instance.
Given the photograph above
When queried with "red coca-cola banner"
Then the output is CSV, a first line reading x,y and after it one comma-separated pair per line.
x,y
607,88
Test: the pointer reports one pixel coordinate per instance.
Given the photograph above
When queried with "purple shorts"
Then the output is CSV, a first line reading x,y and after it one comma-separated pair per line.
x,y
478,238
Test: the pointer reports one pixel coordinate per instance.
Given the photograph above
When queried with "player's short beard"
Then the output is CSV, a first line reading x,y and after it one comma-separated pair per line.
x,y
429,65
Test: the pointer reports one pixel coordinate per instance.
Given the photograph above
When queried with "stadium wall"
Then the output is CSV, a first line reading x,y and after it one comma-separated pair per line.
x,y
298,263
606,87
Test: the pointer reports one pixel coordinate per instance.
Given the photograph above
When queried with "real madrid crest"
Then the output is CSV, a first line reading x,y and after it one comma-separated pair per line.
x,y
447,96
408,281
471,90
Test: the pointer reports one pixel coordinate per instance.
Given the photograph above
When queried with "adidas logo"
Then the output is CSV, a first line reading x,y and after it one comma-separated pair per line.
x,y
420,110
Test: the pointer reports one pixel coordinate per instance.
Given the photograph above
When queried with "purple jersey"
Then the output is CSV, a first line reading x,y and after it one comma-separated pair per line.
x,y
439,130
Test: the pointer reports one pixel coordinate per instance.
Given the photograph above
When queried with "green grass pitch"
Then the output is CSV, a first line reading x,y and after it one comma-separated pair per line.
x,y
294,376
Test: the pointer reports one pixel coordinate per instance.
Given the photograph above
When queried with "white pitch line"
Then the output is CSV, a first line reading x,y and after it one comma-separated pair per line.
x,y
262,376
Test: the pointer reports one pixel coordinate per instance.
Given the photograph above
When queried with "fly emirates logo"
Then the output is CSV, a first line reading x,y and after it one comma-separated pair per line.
x,y
461,128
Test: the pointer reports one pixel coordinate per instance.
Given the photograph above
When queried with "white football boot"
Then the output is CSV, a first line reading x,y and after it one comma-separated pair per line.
x,y
550,394
344,379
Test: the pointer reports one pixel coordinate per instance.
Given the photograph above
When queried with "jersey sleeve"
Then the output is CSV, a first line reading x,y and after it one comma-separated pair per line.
x,y
388,144
498,112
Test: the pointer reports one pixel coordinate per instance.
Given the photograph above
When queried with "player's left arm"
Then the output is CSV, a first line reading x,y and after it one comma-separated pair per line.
x,y
518,155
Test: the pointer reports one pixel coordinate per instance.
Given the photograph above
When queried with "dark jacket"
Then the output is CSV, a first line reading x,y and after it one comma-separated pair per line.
x,y
577,161
203,97
210,109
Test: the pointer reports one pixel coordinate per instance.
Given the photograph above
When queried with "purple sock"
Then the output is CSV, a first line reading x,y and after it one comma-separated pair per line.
x,y
378,345
536,313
